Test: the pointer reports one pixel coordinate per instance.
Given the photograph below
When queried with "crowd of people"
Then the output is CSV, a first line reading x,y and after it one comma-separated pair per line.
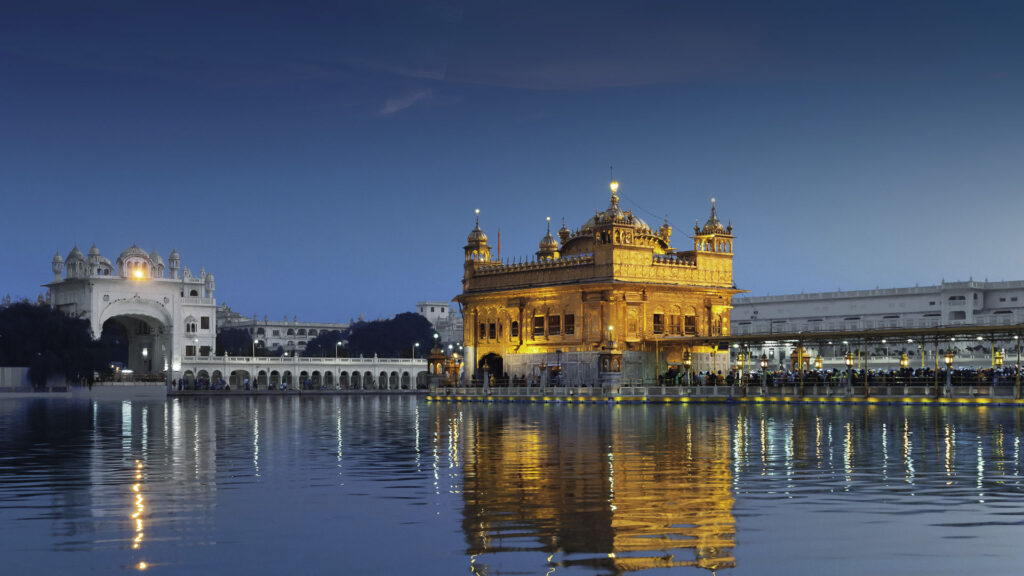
x,y
840,377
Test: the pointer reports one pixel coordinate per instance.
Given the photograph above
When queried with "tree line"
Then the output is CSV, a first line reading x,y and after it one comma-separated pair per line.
x,y
49,344
392,338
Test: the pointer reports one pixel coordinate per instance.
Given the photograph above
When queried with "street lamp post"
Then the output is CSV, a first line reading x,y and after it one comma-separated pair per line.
x,y
1016,393
415,348
764,372
739,366
947,358
687,361
254,343
336,346
849,373
818,363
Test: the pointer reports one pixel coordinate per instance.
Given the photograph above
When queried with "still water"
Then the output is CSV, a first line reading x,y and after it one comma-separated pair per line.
x,y
396,485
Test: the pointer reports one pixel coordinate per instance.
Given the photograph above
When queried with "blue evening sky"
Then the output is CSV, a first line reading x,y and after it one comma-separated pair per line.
x,y
324,159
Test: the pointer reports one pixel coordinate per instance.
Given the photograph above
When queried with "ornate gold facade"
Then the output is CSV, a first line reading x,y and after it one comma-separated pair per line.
x,y
612,283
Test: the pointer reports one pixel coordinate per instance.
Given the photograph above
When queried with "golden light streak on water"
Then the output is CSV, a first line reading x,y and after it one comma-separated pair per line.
x,y
136,515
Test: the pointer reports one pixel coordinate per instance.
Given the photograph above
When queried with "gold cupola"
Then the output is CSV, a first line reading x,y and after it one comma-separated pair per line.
x,y
548,245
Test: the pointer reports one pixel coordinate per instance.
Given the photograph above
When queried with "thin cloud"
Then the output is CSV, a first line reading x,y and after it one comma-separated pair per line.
x,y
398,104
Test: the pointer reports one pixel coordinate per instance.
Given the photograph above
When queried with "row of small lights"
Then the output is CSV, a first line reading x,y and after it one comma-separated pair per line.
x,y
947,357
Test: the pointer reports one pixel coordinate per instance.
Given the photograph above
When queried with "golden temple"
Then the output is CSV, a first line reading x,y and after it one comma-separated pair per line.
x,y
608,301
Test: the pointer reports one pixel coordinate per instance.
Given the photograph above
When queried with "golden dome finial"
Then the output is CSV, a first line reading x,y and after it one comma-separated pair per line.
x,y
549,224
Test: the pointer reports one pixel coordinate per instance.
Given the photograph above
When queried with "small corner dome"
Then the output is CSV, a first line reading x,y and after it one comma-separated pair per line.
x,y
57,258
713,225
157,260
75,254
94,251
174,255
477,236
548,243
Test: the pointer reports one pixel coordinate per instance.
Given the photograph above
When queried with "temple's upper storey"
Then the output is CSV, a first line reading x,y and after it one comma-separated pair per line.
x,y
613,245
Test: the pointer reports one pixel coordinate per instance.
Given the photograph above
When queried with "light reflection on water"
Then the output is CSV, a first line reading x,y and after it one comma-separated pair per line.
x,y
392,484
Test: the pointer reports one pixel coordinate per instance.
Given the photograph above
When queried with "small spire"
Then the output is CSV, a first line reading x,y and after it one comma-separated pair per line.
x,y
549,225
478,217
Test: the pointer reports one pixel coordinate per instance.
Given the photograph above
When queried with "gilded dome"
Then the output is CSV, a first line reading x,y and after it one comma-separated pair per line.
x,y
614,214
548,243
476,236
713,225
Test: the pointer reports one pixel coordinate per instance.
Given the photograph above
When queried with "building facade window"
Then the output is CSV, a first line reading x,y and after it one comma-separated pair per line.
x,y
554,325
570,324
538,325
513,330
483,331
204,322
690,325
675,325
492,331
190,350
659,323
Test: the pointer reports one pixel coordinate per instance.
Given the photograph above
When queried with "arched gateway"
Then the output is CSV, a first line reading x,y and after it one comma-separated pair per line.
x,y
162,317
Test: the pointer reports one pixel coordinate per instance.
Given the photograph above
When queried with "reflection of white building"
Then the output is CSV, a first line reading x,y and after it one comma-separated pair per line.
x,y
948,304
288,335
445,319
165,316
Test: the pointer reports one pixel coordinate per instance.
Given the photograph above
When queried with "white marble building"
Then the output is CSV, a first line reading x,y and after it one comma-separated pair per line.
x,y
291,336
444,317
947,304
167,313
944,305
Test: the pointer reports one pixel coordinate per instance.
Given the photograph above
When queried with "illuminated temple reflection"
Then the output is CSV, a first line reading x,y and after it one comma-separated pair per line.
x,y
614,500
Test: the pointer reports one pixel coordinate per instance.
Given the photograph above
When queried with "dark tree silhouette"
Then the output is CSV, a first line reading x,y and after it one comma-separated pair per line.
x,y
234,341
323,346
48,343
391,338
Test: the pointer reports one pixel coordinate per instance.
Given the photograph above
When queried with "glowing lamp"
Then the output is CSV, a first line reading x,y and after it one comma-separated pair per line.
x,y
948,358
614,186
849,359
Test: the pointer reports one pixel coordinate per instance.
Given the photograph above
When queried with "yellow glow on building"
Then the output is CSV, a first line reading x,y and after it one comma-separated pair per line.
x,y
614,270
